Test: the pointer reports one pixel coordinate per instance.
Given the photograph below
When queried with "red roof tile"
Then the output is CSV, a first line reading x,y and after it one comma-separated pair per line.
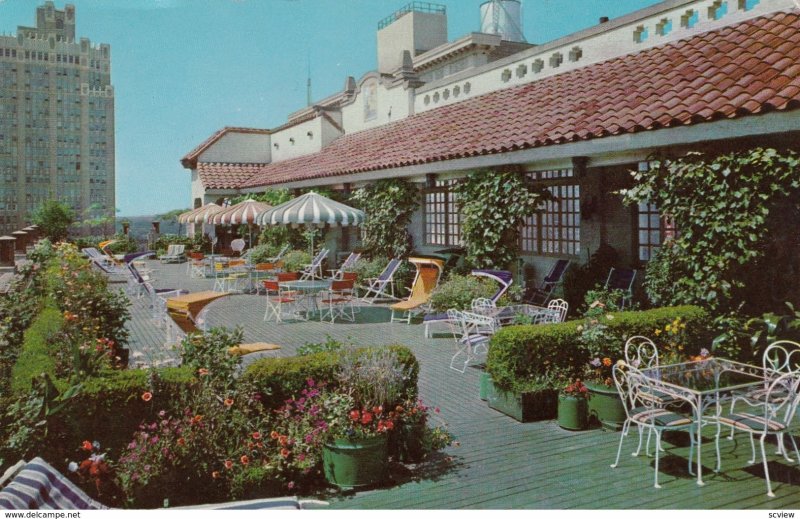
x,y
217,175
686,82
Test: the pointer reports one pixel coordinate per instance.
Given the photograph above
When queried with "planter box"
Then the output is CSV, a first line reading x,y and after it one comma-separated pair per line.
x,y
605,406
524,407
486,386
356,463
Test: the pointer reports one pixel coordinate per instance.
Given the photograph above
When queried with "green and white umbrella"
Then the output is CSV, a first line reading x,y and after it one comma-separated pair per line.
x,y
311,209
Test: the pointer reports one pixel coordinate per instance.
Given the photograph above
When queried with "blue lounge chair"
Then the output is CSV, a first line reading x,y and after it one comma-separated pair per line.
x,y
541,295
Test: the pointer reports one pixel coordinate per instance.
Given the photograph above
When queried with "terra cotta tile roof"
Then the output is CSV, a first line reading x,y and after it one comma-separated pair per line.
x,y
220,175
749,68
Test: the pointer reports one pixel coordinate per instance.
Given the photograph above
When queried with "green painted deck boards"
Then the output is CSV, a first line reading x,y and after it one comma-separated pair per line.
x,y
499,463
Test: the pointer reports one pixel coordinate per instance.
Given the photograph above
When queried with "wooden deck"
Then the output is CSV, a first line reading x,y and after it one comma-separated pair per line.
x,y
497,462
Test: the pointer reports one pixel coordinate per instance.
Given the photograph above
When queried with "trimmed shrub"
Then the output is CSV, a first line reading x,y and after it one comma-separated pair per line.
x,y
522,356
36,357
295,260
459,291
281,378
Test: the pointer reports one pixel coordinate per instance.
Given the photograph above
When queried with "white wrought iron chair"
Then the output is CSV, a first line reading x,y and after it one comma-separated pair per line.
x,y
635,390
779,357
471,333
774,417
558,309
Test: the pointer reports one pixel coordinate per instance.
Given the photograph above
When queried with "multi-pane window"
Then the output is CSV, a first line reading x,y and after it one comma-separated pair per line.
x,y
556,229
442,215
654,230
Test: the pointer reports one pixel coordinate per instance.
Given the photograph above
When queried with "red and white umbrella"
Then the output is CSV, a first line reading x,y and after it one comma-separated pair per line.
x,y
241,213
199,215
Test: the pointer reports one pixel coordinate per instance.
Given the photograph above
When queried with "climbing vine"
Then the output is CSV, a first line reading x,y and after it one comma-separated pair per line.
x,y
388,205
737,215
493,206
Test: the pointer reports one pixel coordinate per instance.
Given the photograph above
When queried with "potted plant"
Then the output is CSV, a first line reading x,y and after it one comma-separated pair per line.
x,y
605,405
572,407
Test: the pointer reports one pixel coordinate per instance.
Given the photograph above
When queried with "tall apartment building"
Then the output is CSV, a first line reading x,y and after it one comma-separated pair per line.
x,y
56,120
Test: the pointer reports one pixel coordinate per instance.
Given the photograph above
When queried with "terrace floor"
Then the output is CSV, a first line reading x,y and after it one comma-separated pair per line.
x,y
497,463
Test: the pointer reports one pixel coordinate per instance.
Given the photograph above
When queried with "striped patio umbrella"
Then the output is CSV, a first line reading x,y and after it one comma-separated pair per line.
x,y
200,214
241,213
311,209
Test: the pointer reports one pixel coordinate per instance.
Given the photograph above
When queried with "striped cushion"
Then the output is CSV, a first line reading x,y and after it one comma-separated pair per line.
x,y
40,486
777,396
657,397
659,417
751,422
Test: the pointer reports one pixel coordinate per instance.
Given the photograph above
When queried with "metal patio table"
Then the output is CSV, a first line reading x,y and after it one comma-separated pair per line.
x,y
705,384
505,315
308,290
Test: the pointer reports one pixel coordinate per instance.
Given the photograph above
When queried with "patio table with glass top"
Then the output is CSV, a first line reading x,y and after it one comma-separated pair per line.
x,y
505,315
706,384
307,290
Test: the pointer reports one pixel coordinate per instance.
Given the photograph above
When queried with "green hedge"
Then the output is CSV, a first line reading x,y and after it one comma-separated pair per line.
x,y
522,355
282,377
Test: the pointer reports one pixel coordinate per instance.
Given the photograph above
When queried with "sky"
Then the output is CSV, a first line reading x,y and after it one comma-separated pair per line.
x,y
182,69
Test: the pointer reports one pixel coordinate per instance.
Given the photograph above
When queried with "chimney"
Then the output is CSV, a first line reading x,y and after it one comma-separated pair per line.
x,y
418,27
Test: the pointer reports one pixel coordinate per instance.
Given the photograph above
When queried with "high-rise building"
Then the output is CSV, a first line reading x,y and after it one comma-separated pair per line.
x,y
56,120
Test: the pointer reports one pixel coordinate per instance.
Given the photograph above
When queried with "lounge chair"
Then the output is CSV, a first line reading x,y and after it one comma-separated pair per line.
x,y
314,269
175,254
376,288
95,255
158,296
429,271
622,279
279,256
36,485
541,295
503,277
346,265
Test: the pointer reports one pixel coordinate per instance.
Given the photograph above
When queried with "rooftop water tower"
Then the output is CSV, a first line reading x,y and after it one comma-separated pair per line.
x,y
503,17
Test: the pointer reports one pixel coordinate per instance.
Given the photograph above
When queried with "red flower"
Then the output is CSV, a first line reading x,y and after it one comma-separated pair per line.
x,y
181,442
147,396
228,464
215,474
228,402
354,415
377,409
256,435
285,453
389,425
274,435
244,459
366,417
87,446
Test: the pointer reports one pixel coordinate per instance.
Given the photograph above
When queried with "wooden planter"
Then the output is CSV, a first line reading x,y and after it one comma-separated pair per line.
x,y
605,406
524,407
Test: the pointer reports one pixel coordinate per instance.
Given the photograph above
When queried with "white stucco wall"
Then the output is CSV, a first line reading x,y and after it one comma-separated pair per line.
x,y
295,141
392,104
240,148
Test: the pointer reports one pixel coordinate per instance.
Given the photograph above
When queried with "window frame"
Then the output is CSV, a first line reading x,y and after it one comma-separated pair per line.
x,y
564,247
444,187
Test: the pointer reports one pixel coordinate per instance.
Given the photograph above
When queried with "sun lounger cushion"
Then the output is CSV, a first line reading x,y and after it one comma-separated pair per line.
x,y
40,486
244,349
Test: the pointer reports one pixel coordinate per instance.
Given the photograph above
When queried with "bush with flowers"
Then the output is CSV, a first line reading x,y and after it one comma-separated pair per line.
x,y
576,389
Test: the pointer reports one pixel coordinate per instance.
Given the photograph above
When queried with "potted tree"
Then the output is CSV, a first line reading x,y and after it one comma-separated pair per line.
x,y
572,407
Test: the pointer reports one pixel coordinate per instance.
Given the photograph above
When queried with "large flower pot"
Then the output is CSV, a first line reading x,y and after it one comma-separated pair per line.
x,y
356,463
573,413
605,406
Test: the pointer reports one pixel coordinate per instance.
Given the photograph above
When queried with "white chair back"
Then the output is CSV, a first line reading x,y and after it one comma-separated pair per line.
x,y
641,352
560,308
782,357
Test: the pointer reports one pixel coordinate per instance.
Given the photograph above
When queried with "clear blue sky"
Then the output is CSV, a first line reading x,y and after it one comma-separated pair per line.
x,y
184,68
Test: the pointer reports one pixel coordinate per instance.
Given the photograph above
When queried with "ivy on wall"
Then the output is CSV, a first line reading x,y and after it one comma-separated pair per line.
x,y
388,205
493,206
737,215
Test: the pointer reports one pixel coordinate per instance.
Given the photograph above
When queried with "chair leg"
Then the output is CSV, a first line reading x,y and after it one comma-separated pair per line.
x,y
658,449
639,447
691,450
766,468
625,427
753,450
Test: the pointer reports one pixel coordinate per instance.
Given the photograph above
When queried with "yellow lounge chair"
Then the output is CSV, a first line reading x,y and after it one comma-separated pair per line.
x,y
428,273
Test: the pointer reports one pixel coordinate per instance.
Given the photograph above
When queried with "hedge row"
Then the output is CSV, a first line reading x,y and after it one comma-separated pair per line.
x,y
281,378
35,357
521,355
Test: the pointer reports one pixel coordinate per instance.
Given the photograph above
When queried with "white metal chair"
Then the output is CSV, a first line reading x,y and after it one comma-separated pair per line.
x,y
778,358
774,417
635,391
558,309
314,269
471,333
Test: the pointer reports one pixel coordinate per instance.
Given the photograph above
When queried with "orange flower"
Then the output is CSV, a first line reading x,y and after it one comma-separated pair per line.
x,y
215,474
274,435
256,435
285,453
147,396
244,459
202,372
181,442
86,445
196,420
606,362
228,402
228,464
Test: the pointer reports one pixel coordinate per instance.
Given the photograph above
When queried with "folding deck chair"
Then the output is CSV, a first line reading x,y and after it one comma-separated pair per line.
x,y
314,269
541,295
175,254
429,271
279,256
503,277
622,279
346,265
376,288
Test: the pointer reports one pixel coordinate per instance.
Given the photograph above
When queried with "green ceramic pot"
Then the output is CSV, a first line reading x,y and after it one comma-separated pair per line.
x,y
573,413
605,406
356,463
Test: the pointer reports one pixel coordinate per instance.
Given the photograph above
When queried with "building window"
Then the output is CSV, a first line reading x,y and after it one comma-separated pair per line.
x,y
370,92
556,229
654,230
442,215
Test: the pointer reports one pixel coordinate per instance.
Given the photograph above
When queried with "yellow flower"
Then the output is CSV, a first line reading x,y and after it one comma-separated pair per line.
x,y
667,328
658,332
683,325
